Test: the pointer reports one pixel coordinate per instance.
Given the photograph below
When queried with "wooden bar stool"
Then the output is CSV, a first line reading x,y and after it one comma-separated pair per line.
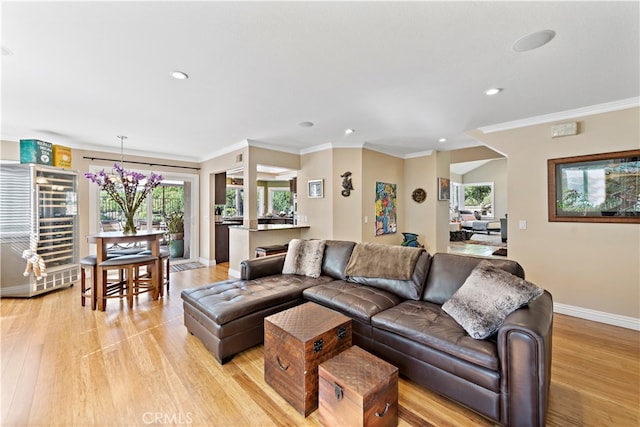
x,y
125,251
87,290
164,258
135,283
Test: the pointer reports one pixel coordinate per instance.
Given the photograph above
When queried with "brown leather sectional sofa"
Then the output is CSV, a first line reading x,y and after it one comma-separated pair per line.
x,y
504,377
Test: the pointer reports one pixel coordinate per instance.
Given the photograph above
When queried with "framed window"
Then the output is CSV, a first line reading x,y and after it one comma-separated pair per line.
x,y
595,188
454,203
261,210
477,196
235,201
279,199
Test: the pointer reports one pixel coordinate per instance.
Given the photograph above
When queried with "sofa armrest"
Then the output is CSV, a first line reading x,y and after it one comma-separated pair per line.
x,y
524,349
263,266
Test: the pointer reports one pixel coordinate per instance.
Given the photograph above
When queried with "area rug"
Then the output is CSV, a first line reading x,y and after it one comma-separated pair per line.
x,y
186,266
500,252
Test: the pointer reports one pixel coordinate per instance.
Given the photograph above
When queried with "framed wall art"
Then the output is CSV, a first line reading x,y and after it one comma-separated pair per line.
x,y
316,189
386,211
595,188
444,188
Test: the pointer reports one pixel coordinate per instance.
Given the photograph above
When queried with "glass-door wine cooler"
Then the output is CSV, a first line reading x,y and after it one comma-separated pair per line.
x,y
38,229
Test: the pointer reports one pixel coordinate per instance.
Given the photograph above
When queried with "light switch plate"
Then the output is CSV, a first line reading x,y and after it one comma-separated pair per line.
x,y
564,129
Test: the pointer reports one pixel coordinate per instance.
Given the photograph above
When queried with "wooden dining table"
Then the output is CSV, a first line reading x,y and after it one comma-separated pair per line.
x,y
105,239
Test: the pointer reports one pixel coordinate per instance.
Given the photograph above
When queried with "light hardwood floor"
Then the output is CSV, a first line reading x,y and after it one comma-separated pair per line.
x,y
65,365
463,247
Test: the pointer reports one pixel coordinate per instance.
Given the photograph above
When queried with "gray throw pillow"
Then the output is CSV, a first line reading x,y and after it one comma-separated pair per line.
x,y
487,297
304,258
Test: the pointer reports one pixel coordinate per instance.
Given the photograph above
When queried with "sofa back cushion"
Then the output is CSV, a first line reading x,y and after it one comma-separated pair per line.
x,y
386,261
336,257
304,257
449,271
408,289
487,297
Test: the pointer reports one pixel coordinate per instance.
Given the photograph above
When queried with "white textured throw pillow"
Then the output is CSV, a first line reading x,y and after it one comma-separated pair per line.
x,y
304,257
487,297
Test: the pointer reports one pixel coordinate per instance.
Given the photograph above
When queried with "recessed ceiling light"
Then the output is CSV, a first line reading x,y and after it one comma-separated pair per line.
x,y
180,75
493,91
305,124
349,131
533,40
442,140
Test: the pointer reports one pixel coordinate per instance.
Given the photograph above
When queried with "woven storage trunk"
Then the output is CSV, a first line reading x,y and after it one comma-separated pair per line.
x,y
296,341
358,389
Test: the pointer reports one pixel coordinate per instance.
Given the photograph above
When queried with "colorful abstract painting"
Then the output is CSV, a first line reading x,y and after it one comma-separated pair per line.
x,y
386,215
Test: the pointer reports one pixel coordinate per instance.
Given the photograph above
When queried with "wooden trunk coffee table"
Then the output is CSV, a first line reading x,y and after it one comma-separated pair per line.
x,y
296,341
358,389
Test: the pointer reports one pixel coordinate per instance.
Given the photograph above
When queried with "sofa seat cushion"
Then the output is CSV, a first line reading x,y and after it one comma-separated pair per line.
x,y
356,301
427,324
229,300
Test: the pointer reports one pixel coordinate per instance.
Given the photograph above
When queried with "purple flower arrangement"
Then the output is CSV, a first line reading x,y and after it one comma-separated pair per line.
x,y
124,187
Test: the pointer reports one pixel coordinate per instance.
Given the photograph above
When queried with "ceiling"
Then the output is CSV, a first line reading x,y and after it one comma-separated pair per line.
x,y
402,74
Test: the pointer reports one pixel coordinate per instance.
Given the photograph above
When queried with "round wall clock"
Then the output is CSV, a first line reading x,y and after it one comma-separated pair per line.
x,y
419,195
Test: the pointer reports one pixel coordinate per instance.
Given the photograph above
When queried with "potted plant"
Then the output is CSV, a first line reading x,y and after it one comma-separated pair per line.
x,y
175,230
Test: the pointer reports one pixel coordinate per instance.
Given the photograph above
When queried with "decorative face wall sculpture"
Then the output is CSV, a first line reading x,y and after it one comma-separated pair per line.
x,y
347,186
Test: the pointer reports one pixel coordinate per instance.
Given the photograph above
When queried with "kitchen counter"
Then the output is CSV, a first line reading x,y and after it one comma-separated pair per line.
x,y
270,227
244,240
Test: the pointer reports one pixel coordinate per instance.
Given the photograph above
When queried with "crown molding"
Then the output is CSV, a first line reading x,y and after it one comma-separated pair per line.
x,y
363,145
274,147
382,150
418,154
233,147
331,146
564,115
359,144
316,148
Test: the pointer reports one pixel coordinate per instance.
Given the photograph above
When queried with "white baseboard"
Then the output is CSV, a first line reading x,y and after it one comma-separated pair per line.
x,y
598,316
234,273
207,262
